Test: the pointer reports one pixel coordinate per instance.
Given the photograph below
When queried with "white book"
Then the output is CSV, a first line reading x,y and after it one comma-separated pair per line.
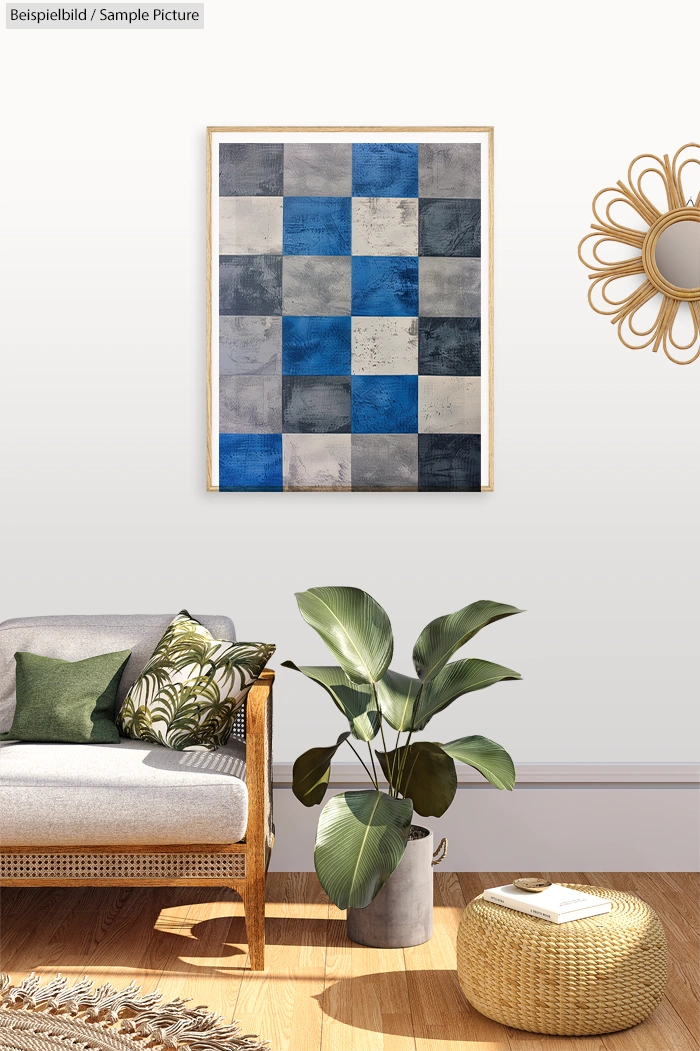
x,y
556,904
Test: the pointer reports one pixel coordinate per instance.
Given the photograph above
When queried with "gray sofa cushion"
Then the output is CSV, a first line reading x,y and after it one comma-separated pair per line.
x,y
121,794
73,638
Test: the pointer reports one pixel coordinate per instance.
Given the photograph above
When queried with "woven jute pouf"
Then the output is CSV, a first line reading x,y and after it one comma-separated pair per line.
x,y
579,978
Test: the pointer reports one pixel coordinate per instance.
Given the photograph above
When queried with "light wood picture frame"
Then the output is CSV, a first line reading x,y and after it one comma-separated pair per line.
x,y
350,309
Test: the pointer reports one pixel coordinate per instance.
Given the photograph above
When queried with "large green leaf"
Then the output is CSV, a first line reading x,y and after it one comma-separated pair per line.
x,y
486,756
355,700
355,628
311,772
428,777
455,679
396,694
361,838
445,635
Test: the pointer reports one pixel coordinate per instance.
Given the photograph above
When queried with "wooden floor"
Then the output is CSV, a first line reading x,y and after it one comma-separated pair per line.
x,y
321,992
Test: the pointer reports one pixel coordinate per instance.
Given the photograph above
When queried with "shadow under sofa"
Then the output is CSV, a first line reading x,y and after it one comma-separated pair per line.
x,y
135,813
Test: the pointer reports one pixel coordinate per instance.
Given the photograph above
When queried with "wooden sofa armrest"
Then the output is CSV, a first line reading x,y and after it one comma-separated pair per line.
x,y
259,772
259,831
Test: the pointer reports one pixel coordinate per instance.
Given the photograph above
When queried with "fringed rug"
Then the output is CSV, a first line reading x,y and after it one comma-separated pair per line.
x,y
84,1018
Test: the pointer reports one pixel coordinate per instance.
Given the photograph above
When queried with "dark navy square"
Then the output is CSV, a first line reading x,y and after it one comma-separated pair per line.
x,y
317,225
316,346
385,285
449,346
250,463
449,226
251,169
316,404
384,404
449,463
385,169
250,284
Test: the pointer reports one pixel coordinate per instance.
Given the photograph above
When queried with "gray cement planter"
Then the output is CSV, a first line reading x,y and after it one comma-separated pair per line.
x,y
402,912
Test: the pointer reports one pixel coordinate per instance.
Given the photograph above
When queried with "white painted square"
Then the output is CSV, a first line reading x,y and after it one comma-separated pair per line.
x,y
316,461
449,404
385,346
385,226
250,225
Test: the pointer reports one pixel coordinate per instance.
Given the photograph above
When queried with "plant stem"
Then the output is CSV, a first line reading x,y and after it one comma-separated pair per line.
x,y
372,779
404,757
392,790
408,739
371,755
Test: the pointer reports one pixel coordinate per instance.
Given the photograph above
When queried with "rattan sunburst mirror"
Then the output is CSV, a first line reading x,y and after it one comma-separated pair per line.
x,y
660,279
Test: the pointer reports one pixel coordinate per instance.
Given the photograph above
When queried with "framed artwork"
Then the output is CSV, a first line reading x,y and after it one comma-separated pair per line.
x,y
350,309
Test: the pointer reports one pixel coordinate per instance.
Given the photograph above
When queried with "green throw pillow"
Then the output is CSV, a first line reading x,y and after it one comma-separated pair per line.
x,y
68,701
188,694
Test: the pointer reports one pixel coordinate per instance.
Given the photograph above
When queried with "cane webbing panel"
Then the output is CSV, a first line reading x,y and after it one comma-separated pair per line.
x,y
239,723
123,866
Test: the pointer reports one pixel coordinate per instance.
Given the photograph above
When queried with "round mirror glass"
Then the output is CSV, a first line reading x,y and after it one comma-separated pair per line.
x,y
677,254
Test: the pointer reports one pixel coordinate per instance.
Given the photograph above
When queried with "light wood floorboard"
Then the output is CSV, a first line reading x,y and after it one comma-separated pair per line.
x,y
321,992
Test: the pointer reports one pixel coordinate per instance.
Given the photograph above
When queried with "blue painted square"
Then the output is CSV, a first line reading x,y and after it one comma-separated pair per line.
x,y
385,169
384,404
250,463
317,225
316,346
385,285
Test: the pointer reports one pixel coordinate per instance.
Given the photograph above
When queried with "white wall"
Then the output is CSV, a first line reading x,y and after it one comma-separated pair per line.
x,y
593,524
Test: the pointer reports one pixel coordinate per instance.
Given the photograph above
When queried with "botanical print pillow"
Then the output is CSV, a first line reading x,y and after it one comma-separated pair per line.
x,y
188,694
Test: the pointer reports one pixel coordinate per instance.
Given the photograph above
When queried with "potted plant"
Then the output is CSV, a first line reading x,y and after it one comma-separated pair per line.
x,y
363,835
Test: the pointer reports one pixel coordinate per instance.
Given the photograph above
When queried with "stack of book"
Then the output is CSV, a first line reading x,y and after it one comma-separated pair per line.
x,y
556,904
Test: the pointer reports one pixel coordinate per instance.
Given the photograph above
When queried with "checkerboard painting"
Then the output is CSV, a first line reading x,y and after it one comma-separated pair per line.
x,y
346,300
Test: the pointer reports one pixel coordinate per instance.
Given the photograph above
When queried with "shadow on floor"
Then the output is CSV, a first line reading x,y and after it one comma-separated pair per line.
x,y
141,929
394,1002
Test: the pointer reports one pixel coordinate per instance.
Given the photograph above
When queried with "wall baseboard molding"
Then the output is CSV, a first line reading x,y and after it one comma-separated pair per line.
x,y
550,827
537,773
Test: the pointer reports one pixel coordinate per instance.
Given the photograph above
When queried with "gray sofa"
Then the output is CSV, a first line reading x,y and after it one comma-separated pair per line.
x,y
134,813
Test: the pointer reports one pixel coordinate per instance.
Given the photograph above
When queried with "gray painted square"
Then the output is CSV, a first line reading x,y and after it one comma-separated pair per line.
x,y
317,404
385,461
250,346
450,169
250,284
318,169
251,169
250,404
448,226
449,287
316,285
449,346
316,461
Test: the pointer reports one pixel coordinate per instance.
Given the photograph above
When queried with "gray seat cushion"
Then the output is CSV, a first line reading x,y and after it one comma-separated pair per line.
x,y
73,638
133,793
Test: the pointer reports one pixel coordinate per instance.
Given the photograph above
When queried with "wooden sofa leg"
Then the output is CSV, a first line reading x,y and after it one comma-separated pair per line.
x,y
254,905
